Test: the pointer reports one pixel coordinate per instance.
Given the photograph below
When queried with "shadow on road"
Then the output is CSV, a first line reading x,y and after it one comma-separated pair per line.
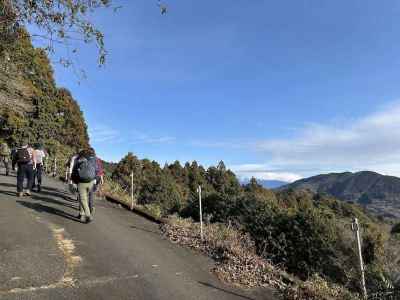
x,y
9,184
69,204
64,196
143,229
54,190
8,193
66,201
9,175
223,290
47,209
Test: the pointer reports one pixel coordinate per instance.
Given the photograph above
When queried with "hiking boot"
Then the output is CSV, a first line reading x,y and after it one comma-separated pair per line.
x,y
20,194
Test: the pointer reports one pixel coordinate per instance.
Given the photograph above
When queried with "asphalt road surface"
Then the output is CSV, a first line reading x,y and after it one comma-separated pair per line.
x,y
46,253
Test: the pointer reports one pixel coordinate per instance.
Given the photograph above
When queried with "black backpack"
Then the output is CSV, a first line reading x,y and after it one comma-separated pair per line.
x,y
23,156
84,169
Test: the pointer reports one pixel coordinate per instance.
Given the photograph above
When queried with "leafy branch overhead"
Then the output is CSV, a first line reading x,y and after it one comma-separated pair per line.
x,y
58,21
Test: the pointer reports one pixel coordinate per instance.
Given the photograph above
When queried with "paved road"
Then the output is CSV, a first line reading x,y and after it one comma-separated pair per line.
x,y
46,253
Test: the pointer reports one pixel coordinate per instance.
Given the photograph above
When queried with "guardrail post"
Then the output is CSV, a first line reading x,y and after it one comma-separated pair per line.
x,y
356,229
201,213
131,190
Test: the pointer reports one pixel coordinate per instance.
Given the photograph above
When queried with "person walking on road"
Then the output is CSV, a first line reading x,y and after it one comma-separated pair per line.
x,y
40,155
26,165
5,153
84,175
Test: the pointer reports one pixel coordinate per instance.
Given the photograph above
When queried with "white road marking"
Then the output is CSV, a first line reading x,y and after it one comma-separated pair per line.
x,y
83,283
16,278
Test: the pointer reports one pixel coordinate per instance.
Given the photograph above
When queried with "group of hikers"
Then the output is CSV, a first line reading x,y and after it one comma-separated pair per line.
x,y
84,174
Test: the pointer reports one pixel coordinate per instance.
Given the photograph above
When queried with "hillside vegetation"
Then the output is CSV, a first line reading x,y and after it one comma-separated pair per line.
x,y
378,193
31,105
304,233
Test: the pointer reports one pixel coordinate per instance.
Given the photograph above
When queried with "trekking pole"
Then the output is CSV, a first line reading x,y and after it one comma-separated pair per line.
x,y
131,190
201,213
356,229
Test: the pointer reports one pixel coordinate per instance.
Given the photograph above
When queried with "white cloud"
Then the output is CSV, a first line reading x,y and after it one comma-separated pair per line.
x,y
368,143
233,144
138,137
106,134
103,133
263,171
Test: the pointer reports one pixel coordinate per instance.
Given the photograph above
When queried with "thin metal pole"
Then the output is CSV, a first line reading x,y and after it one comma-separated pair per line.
x,y
356,228
55,167
132,190
201,214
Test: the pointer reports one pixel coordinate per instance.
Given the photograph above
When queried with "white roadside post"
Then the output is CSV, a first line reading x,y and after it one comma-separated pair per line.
x,y
131,190
201,213
55,167
356,228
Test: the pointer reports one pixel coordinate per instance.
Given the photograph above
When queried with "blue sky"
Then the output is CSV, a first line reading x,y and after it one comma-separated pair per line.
x,y
277,89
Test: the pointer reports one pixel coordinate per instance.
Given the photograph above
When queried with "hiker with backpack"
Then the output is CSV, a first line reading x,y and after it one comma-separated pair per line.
x,y
84,174
5,153
37,175
26,165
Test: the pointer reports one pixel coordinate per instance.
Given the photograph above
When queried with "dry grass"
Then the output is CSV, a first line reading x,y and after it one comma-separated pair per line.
x,y
317,288
234,252
238,264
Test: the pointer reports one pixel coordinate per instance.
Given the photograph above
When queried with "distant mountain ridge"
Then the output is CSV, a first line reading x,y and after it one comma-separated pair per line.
x,y
380,194
268,184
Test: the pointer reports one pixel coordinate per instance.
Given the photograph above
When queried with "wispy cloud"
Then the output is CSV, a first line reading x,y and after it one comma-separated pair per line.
x,y
232,144
103,133
371,142
107,134
138,137
263,171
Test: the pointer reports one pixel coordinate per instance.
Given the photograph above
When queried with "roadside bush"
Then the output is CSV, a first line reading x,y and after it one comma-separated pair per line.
x,y
303,242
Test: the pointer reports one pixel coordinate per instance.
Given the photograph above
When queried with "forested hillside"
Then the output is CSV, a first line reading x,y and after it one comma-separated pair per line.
x,y
378,193
31,105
